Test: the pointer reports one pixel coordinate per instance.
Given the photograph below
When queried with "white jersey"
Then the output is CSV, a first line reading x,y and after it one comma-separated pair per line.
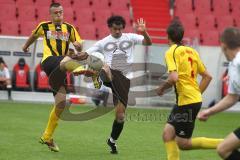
x,y
234,75
5,73
118,52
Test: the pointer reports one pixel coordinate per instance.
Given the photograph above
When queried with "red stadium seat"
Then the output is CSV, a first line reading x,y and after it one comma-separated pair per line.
x,y
207,22
42,3
3,2
24,3
87,31
102,31
221,7
43,13
81,4
188,21
192,34
202,7
119,5
101,16
10,28
40,80
64,3
210,38
21,75
83,16
183,6
7,12
26,27
26,12
225,21
68,15
235,10
100,4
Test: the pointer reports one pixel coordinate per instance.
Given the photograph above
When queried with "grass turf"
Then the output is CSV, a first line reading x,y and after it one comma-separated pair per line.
x,y
21,125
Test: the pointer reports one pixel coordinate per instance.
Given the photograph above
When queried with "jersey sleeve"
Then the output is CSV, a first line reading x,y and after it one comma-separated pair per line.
x,y
201,67
75,36
233,87
170,62
95,48
136,38
38,31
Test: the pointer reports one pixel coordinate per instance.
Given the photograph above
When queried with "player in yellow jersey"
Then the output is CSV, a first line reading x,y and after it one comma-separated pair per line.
x,y
57,36
184,65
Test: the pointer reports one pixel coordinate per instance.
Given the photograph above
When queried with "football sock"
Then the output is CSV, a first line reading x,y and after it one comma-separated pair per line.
x,y
72,65
52,123
172,150
205,143
9,88
235,155
116,129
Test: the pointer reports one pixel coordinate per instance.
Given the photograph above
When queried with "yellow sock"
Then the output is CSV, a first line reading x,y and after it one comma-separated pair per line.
x,y
72,65
172,150
205,143
52,123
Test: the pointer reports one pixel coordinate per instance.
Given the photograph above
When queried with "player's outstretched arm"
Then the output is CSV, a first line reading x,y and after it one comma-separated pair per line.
x,y
141,27
228,101
30,40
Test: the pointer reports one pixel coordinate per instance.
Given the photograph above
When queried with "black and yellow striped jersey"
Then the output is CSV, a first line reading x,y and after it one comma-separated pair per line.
x,y
56,38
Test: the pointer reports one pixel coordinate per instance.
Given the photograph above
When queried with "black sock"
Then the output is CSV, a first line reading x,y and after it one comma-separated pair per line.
x,y
235,155
9,93
116,129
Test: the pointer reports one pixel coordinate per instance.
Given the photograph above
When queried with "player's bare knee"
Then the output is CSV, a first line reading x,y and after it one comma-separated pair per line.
x,y
107,72
184,145
167,135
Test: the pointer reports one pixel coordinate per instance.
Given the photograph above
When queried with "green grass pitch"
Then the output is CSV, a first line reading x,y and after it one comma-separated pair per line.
x,y
21,125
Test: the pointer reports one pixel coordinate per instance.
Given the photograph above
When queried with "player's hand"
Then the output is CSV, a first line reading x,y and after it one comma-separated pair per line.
x,y
80,56
25,49
141,25
160,91
203,115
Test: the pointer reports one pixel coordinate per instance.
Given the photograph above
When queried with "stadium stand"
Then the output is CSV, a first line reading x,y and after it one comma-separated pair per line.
x,y
84,12
200,15
21,76
10,28
212,16
156,14
202,7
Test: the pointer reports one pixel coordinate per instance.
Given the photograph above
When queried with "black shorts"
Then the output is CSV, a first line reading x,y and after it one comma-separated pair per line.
x,y
120,86
51,65
183,119
237,132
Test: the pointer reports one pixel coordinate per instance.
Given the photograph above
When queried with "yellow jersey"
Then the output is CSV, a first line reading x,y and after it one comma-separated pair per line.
x,y
56,38
187,63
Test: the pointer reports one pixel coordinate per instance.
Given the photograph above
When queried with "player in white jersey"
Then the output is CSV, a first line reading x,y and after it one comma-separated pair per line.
x,y
230,44
117,49
5,79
